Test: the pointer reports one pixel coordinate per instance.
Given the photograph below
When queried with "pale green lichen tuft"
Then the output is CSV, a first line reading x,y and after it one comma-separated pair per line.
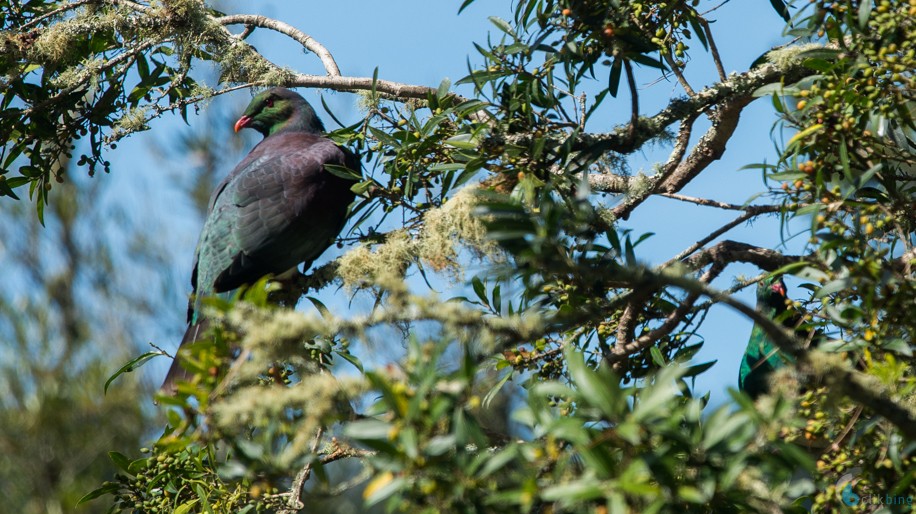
x,y
606,215
134,120
367,101
785,57
361,266
452,224
321,397
56,43
241,63
639,185
73,76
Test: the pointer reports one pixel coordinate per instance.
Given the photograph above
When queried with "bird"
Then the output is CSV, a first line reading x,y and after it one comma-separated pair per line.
x,y
762,357
279,207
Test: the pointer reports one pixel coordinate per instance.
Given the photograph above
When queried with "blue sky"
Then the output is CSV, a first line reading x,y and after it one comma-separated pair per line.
x,y
422,42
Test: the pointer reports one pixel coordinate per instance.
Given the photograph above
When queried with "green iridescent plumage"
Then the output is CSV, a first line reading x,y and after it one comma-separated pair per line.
x,y
278,208
762,357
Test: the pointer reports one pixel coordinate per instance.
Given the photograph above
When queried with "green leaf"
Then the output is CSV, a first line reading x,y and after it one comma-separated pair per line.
x,y
130,366
832,287
598,388
786,175
366,429
780,7
654,397
864,13
444,86
697,369
374,83
657,356
721,425
186,507
499,460
342,172
352,359
322,309
502,25
447,166
491,394
465,4
109,488
462,141
137,466
577,491
813,129
767,90
381,487
898,346
480,289
120,460
204,498
613,82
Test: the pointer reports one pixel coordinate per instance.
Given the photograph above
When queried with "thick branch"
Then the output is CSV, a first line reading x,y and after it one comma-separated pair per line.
x,y
865,390
737,88
623,210
733,251
719,256
714,234
710,147
622,349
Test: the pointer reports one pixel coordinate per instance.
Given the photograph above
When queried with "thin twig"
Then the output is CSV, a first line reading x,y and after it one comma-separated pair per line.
x,y
623,349
852,422
55,12
294,503
721,205
712,47
714,234
682,80
307,41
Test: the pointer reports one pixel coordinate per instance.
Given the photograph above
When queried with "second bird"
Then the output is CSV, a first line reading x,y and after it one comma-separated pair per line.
x,y
279,207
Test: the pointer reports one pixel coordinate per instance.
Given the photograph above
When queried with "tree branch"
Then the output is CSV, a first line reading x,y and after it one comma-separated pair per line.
x,y
865,390
294,503
710,147
712,47
759,209
714,234
308,42
623,210
733,251
736,88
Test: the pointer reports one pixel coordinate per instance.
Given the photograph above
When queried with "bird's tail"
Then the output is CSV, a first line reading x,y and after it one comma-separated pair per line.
x,y
177,372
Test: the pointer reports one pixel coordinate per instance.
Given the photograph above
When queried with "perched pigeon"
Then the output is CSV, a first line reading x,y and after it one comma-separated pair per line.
x,y
279,207
762,356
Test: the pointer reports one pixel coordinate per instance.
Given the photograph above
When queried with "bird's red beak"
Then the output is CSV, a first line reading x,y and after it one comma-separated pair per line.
x,y
243,122
779,288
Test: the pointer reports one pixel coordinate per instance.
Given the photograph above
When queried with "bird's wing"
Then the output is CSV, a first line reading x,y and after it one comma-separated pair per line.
x,y
277,209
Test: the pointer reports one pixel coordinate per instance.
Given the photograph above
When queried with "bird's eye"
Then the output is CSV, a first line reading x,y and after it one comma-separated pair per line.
x,y
270,102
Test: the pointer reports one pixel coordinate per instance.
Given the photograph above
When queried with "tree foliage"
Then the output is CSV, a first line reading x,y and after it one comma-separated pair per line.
x,y
519,174
59,344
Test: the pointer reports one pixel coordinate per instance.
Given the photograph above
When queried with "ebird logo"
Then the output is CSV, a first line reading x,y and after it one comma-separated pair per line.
x,y
847,495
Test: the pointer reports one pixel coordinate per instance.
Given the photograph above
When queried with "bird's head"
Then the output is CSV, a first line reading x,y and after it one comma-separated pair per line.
x,y
772,291
279,109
